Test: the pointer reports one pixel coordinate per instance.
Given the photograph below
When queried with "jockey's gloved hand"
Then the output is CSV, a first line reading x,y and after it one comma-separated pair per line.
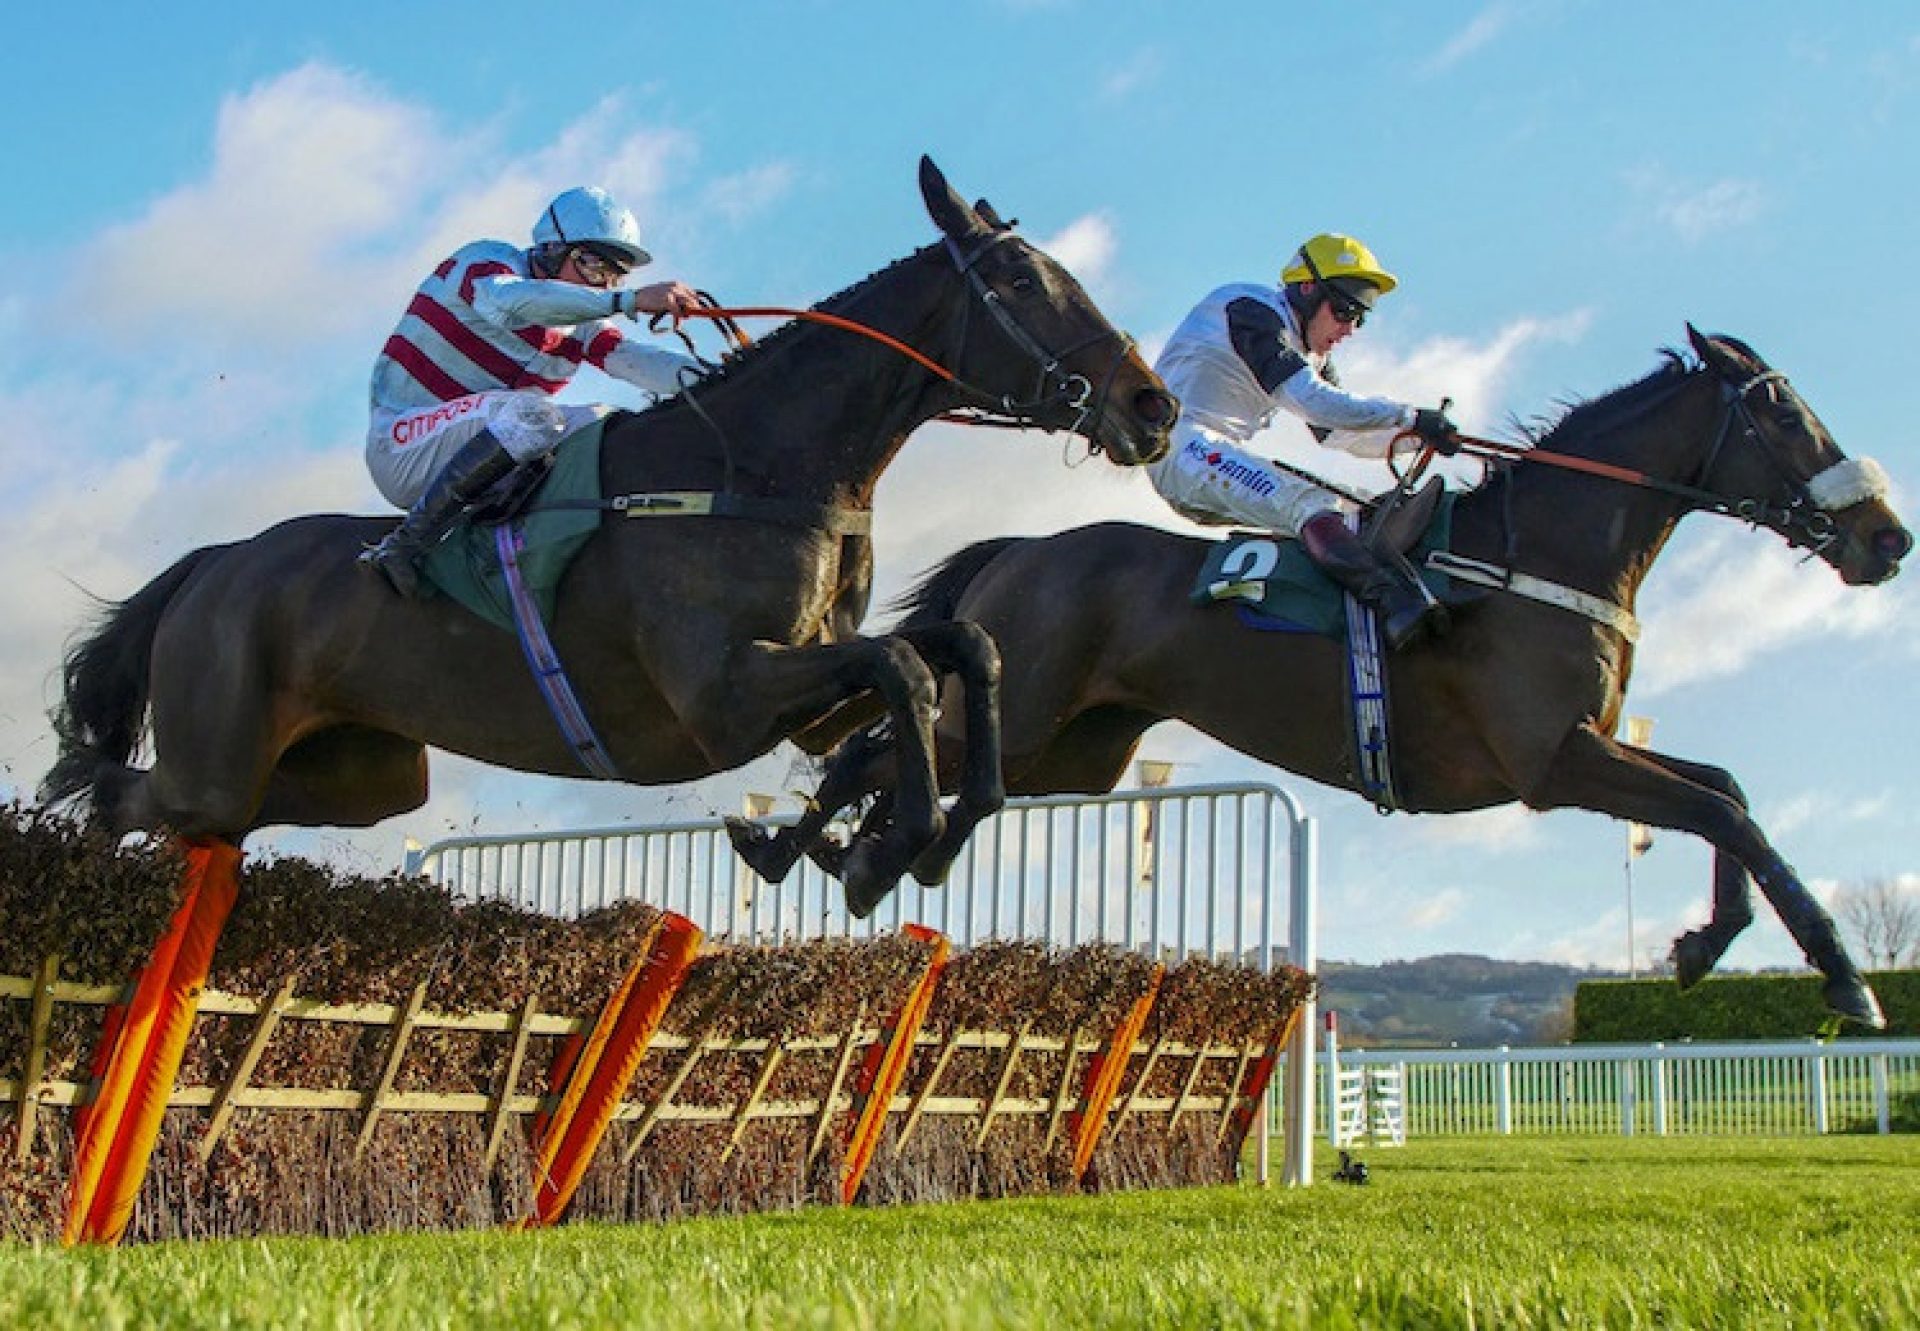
x,y
1437,431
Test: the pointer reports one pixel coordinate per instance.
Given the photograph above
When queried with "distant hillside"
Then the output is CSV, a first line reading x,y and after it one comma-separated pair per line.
x,y
1453,998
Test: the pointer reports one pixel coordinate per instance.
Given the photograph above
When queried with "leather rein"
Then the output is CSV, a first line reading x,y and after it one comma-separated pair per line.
x,y
1802,519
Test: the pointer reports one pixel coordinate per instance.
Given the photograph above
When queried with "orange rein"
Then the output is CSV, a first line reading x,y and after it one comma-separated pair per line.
x,y
719,313
1470,444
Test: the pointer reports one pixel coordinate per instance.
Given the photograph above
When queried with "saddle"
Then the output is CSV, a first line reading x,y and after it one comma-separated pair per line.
x,y
1278,588
556,504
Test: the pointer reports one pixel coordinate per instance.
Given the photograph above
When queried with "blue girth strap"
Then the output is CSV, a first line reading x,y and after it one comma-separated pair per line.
x,y
548,673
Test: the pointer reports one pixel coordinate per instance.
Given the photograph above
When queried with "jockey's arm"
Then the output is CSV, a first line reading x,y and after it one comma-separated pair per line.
x,y
1343,420
515,302
642,364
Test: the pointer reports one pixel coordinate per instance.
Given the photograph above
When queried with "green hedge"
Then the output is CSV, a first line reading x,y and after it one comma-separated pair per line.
x,y
1730,1007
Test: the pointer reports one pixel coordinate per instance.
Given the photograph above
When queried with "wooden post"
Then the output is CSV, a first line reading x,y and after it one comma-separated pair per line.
x,y
1186,1089
842,1061
776,1052
886,1064
674,1083
39,1024
1058,1109
1229,1097
264,1025
1001,1083
396,1050
509,1079
948,1048
1140,1082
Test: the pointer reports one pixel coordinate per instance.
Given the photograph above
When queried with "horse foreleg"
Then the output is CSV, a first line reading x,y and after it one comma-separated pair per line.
x,y
854,769
1592,771
1698,951
966,652
805,683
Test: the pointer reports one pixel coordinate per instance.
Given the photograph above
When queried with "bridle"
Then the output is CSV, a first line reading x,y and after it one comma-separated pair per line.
x,y
1803,517
1054,384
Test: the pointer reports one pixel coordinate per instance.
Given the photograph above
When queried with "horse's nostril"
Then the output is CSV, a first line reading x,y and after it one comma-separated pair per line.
x,y
1893,543
1155,407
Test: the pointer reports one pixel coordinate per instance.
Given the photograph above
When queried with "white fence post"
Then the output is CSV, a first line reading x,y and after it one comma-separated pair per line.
x,y
1882,1106
1503,1092
1817,1088
1659,1089
1331,1078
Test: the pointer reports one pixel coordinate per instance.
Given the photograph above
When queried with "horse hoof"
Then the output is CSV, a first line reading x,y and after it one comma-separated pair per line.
x,y
1849,996
830,856
868,879
759,849
1693,959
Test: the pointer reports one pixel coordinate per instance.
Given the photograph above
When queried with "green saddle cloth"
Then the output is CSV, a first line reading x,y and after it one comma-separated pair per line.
x,y
559,518
1274,580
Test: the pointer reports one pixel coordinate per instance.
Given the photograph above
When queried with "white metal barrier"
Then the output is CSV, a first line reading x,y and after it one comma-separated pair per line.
x,y
1225,871
1774,1088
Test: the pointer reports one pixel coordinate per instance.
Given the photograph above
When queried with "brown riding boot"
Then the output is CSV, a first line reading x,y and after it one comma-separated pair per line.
x,y
467,476
1406,613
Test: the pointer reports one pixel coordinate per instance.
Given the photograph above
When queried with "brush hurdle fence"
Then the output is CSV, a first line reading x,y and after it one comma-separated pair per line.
x,y
1181,879
1227,872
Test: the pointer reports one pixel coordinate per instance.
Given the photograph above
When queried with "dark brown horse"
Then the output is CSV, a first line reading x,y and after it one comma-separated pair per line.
x,y
1518,702
287,687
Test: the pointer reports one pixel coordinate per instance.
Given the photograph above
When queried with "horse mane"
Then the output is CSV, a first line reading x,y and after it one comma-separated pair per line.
x,y
1581,418
737,363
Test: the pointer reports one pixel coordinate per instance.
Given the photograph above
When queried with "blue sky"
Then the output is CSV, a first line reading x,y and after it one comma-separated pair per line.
x,y
212,217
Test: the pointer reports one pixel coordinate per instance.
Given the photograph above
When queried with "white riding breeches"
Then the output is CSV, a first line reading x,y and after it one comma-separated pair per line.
x,y
406,450
1211,480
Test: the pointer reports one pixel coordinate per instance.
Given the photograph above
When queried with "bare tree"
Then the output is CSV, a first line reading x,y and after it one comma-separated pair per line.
x,y
1883,915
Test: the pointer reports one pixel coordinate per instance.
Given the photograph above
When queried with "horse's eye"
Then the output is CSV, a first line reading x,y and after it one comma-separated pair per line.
x,y
1023,283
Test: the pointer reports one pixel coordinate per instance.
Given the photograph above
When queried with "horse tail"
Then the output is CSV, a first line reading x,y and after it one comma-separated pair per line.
x,y
936,597
102,715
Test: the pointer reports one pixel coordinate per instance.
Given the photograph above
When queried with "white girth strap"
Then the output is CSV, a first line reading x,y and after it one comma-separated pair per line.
x,y
1536,589
1845,484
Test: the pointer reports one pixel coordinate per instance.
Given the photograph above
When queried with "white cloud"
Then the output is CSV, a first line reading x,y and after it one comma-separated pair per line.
x,y
1086,247
1432,912
1510,827
1696,212
1481,30
1699,620
1141,70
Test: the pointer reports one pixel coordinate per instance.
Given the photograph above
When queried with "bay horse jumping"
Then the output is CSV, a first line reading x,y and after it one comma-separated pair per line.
x,y
285,686
1519,701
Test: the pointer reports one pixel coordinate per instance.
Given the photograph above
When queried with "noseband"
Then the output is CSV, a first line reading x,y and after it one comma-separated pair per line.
x,y
1054,384
1804,517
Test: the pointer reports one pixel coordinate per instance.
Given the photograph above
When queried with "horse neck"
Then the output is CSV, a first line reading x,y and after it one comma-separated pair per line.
x,y
1603,535
819,413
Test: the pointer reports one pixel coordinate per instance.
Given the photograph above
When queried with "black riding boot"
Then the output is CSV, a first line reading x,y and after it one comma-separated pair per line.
x,y
1405,612
470,474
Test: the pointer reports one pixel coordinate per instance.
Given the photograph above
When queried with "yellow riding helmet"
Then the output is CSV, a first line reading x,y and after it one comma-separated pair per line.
x,y
1329,255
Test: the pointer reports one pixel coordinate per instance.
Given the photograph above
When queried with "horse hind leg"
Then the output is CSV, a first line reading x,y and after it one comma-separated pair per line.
x,y
1592,771
345,776
966,652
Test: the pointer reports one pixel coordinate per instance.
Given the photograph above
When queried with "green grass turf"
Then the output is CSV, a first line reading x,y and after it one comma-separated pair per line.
x,y
1461,1232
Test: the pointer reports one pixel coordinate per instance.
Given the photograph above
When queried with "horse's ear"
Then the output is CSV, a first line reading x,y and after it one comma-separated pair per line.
x,y
948,210
1713,355
991,217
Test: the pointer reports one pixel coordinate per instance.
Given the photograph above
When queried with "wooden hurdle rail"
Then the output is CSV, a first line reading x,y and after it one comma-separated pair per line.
x,y
1101,1083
